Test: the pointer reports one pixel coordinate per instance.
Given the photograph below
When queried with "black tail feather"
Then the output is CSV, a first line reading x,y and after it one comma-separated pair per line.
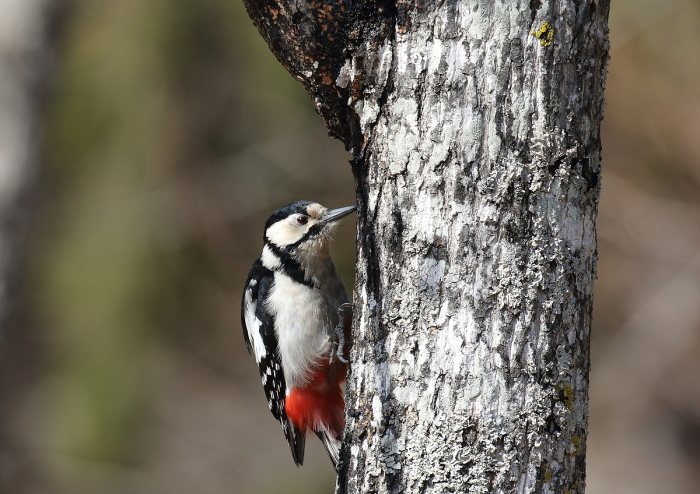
x,y
296,440
332,446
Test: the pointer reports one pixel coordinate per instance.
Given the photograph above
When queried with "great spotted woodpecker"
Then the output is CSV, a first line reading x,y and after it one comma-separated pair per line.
x,y
294,313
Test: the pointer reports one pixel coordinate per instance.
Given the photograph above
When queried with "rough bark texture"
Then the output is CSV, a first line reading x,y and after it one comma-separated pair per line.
x,y
474,127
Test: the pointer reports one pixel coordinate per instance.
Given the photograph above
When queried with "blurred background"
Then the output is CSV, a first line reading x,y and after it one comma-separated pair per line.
x,y
168,133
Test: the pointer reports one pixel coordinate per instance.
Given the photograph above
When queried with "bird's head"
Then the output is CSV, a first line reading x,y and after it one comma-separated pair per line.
x,y
303,228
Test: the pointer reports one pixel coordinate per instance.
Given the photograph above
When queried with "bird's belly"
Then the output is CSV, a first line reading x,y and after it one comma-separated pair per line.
x,y
304,323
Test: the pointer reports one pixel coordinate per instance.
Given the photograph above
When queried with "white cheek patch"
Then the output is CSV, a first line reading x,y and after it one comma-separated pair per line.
x,y
288,231
269,259
283,233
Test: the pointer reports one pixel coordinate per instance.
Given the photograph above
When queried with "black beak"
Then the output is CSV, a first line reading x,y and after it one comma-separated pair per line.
x,y
336,214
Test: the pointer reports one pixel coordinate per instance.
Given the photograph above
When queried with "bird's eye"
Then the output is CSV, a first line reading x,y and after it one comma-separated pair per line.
x,y
302,220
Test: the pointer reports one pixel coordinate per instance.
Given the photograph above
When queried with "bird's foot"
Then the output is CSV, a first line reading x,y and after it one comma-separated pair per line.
x,y
344,321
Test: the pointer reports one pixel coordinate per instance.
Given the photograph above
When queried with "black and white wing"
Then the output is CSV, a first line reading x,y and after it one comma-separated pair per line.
x,y
261,340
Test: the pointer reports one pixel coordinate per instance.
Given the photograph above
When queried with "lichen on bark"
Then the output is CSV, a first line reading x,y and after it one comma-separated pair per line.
x,y
476,153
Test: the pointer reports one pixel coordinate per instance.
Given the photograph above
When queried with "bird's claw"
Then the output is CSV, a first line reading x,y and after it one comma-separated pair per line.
x,y
339,343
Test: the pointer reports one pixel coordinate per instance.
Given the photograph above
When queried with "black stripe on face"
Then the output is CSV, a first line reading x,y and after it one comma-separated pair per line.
x,y
289,265
314,231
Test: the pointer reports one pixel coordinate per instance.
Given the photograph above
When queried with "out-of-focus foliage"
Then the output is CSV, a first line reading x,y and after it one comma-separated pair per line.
x,y
170,136
645,378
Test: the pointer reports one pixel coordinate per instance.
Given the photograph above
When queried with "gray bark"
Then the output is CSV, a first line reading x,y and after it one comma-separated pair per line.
x,y
474,128
24,65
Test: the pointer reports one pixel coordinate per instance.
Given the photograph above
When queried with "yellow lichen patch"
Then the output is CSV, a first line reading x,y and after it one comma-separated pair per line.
x,y
567,394
545,34
547,475
576,441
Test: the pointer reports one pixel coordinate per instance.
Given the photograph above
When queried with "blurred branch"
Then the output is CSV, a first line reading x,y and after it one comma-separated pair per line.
x,y
25,62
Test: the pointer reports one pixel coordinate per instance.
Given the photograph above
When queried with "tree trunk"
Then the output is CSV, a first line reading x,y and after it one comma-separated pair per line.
x,y
474,128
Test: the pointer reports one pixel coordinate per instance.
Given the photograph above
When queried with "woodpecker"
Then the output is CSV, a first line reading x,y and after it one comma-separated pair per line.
x,y
295,322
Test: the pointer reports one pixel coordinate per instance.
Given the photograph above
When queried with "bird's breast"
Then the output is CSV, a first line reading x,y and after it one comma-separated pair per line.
x,y
305,318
